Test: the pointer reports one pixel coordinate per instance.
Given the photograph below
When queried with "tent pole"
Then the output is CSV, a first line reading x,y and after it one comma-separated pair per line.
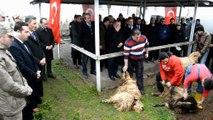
x,y
108,8
59,56
192,29
39,6
97,46
144,9
179,17
140,14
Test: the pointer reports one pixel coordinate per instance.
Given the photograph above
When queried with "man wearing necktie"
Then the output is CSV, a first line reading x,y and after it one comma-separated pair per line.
x,y
129,28
46,38
88,43
37,51
27,65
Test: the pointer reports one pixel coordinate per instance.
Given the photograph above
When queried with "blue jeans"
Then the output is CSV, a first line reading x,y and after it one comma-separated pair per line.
x,y
85,61
199,85
204,57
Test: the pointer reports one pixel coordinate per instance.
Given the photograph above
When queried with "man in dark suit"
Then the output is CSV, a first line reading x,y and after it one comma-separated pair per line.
x,y
76,30
129,28
27,65
37,51
88,41
45,35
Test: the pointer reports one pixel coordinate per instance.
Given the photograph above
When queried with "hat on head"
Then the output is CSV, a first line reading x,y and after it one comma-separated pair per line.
x,y
208,84
162,56
200,28
5,29
2,13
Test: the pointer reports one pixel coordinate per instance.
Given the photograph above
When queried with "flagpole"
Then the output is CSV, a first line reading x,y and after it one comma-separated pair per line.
x,y
59,56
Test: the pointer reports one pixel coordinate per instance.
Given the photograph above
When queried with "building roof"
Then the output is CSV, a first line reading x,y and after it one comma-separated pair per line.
x,y
165,3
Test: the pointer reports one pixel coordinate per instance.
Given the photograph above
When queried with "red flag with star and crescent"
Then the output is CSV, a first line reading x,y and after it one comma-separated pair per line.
x,y
170,12
54,19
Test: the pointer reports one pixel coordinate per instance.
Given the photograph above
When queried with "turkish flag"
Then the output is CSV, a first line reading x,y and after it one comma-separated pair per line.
x,y
89,9
54,19
170,12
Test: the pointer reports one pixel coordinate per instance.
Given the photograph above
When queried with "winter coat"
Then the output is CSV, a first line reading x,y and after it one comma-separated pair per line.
x,y
13,86
202,42
173,70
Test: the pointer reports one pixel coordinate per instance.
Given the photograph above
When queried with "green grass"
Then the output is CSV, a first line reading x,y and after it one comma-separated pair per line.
x,y
69,98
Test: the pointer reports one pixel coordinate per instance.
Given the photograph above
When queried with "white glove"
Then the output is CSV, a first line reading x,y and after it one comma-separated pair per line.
x,y
199,103
168,84
125,68
30,90
185,95
146,55
163,82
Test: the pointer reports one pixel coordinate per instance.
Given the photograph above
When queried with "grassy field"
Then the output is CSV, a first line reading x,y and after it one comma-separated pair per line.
x,y
69,98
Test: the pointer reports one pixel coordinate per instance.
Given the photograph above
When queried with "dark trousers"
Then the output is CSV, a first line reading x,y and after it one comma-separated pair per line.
x,y
113,66
27,113
209,58
76,57
138,66
49,67
85,61
158,83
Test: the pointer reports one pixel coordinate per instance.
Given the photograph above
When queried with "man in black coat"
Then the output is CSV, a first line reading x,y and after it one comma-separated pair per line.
x,y
76,35
115,38
37,51
129,28
27,65
88,43
45,35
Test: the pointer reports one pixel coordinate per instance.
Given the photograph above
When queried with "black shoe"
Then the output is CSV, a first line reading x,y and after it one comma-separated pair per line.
x,y
44,79
117,76
85,76
142,92
51,75
112,78
76,67
93,72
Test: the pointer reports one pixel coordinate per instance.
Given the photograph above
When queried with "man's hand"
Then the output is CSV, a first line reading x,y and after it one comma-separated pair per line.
x,y
120,45
163,82
168,84
43,61
146,55
29,90
125,68
38,73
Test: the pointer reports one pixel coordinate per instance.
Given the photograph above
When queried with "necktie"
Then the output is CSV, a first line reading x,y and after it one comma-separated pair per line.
x,y
90,26
25,46
33,34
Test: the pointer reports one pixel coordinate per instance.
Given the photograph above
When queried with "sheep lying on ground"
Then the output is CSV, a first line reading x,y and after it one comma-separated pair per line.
x,y
127,95
176,101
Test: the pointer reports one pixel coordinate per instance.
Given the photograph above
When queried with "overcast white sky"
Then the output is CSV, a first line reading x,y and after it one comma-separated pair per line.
x,y
22,7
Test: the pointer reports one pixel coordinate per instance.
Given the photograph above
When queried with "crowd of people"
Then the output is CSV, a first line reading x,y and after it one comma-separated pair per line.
x,y
134,37
25,62
114,33
26,55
